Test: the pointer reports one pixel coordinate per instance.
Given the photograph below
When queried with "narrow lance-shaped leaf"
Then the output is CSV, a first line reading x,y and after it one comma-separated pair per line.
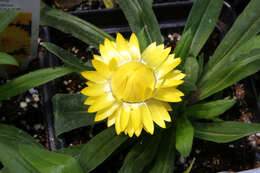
x,y
141,155
7,59
68,23
70,112
67,57
99,149
6,17
191,68
164,162
183,46
243,66
211,109
245,28
72,150
49,162
184,135
201,64
201,22
140,17
10,139
30,80
226,131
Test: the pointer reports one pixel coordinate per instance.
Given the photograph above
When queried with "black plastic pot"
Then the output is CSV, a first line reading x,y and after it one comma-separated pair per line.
x,y
171,17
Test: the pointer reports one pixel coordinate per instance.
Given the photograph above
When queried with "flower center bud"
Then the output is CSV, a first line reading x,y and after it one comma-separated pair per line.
x,y
133,82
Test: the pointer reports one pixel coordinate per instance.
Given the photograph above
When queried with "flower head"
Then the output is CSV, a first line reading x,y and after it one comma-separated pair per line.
x,y
130,89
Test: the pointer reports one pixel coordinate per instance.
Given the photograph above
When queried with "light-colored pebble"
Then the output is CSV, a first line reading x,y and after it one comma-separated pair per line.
x,y
23,105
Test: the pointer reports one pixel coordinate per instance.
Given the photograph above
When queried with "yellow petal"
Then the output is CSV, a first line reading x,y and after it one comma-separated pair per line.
x,y
117,121
90,83
163,111
102,102
93,76
97,57
156,114
111,120
136,116
173,78
96,90
156,56
139,130
113,64
103,114
122,46
134,47
171,83
175,75
147,118
167,66
125,116
108,51
169,94
167,106
101,68
90,100
130,129
149,49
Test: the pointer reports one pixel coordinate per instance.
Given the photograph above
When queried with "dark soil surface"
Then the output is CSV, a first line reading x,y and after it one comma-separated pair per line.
x,y
25,111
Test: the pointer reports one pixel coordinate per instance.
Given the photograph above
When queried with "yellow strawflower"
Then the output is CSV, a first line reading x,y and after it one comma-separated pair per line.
x,y
130,89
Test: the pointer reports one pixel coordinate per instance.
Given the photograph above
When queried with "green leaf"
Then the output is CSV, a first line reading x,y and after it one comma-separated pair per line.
x,y
7,59
140,17
201,22
164,162
226,131
211,109
30,80
253,43
67,57
191,68
6,17
183,46
74,151
245,28
201,64
68,23
184,135
188,86
70,112
10,139
243,66
49,162
141,155
142,38
99,148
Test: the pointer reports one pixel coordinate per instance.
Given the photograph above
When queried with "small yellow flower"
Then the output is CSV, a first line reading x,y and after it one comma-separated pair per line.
x,y
130,89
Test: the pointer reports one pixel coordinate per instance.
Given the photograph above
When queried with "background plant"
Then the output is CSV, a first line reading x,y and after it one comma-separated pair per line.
x,y
237,57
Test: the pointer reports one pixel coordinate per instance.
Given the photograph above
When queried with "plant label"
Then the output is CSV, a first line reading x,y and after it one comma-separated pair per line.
x,y
20,38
